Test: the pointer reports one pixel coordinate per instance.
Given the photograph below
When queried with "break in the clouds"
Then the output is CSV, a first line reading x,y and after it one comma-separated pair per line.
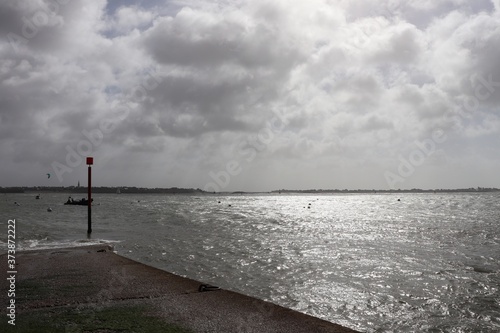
x,y
251,95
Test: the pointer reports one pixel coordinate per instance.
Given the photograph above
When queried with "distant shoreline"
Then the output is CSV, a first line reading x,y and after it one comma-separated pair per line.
x,y
176,190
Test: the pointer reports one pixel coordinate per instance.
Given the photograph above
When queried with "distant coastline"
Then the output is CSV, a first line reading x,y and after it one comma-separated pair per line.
x,y
414,190
102,189
176,190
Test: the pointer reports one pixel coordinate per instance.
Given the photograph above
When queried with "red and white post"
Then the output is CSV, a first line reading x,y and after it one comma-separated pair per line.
x,y
90,161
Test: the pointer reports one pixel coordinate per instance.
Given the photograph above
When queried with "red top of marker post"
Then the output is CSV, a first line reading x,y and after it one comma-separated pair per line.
x,y
90,160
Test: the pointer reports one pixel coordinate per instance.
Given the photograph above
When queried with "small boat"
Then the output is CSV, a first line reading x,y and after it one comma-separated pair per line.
x,y
83,202
37,197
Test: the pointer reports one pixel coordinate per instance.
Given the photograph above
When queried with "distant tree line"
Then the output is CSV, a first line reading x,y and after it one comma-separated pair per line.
x,y
83,189
176,190
414,190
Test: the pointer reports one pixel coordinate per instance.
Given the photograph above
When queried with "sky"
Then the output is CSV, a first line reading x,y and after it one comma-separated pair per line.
x,y
234,95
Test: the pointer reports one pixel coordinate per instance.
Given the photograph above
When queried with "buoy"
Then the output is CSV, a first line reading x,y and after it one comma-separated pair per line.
x,y
49,209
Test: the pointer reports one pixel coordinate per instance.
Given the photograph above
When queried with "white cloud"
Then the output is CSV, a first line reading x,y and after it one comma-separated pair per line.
x,y
354,84
126,19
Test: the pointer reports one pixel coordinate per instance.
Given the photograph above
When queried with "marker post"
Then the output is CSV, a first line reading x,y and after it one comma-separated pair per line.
x,y
90,161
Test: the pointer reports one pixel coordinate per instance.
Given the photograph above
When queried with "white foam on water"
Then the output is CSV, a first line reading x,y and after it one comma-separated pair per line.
x,y
44,244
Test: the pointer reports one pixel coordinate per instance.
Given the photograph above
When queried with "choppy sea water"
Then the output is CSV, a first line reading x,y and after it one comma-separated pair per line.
x,y
427,263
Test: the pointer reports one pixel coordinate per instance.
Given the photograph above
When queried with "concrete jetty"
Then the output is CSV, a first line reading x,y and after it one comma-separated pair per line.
x,y
92,289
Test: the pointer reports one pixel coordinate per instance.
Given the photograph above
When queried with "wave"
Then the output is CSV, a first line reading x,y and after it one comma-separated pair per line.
x,y
44,244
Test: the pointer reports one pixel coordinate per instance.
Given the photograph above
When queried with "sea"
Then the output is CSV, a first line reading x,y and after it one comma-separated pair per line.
x,y
412,262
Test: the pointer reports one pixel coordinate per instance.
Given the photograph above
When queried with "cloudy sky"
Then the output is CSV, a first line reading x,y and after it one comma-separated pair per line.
x,y
251,95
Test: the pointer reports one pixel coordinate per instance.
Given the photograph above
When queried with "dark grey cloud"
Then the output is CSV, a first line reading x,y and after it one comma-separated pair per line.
x,y
292,92
10,16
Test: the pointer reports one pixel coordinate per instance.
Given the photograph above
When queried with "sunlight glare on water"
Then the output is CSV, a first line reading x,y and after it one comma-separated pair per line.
x,y
427,263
